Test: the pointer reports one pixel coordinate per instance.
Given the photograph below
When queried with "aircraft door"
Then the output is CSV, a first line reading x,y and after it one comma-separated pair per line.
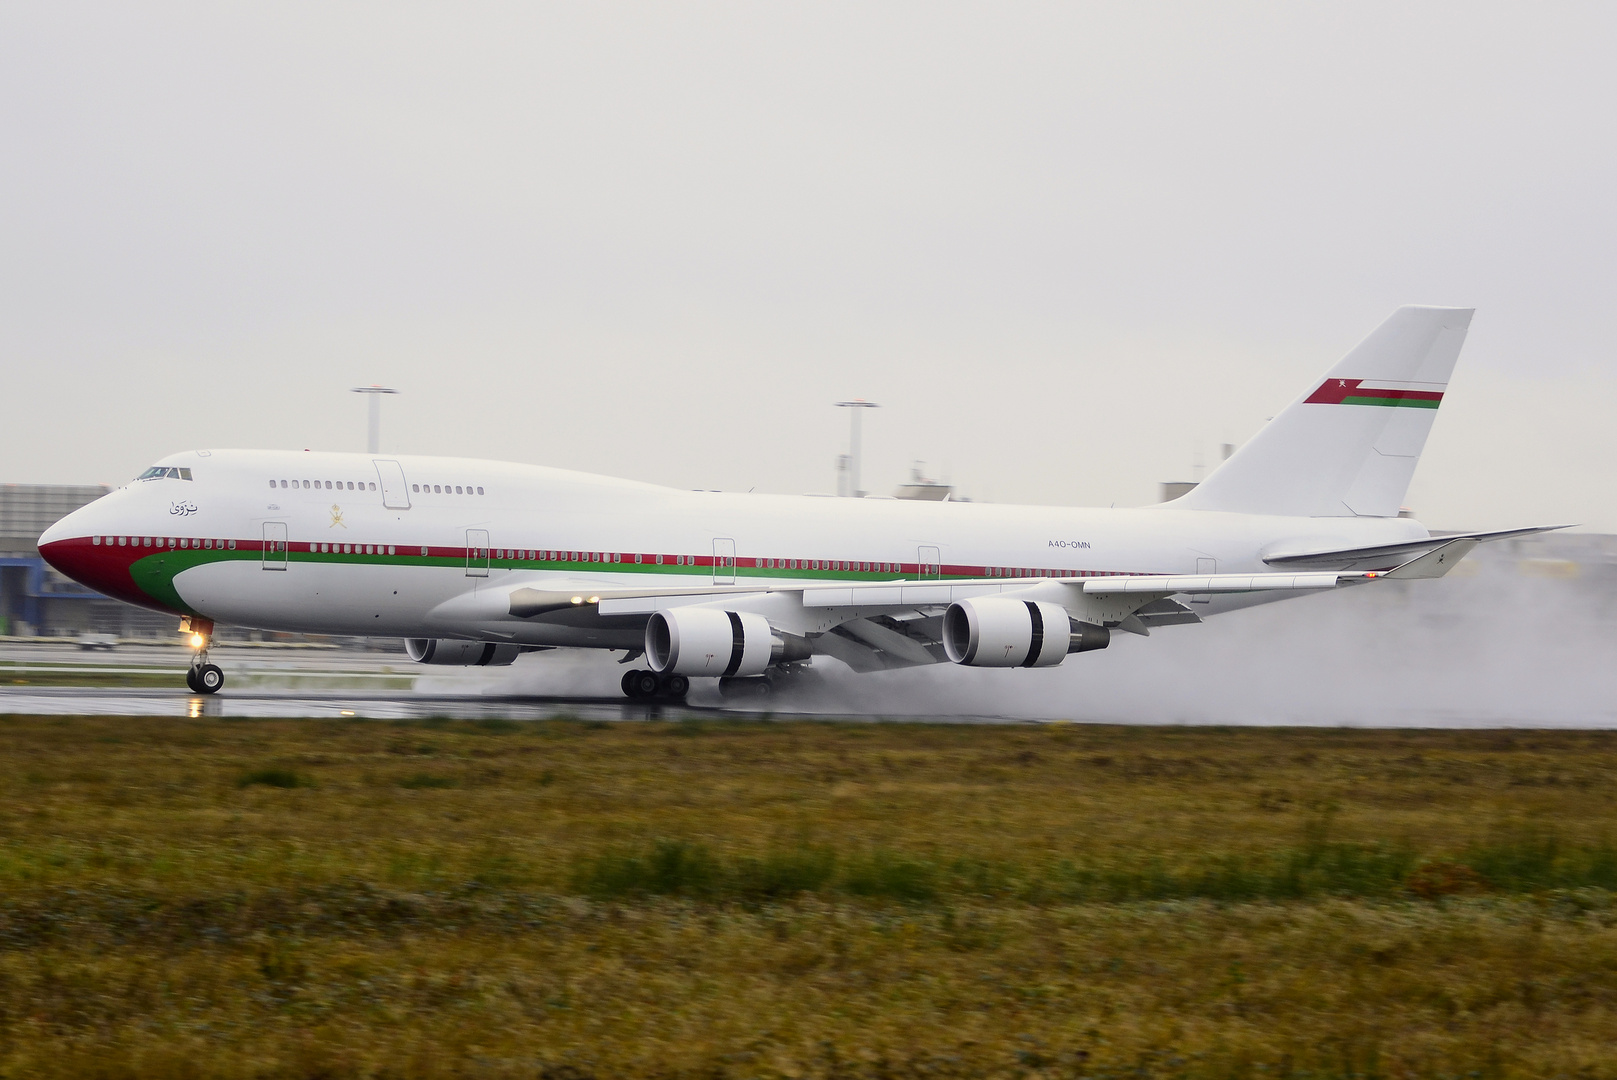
x,y
931,562
477,553
395,492
1204,566
274,545
724,561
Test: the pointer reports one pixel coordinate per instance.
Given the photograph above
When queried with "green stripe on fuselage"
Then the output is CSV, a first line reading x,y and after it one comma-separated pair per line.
x,y
155,573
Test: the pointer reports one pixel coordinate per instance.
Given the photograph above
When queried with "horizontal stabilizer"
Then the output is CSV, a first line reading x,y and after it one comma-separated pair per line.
x,y
1435,563
1389,556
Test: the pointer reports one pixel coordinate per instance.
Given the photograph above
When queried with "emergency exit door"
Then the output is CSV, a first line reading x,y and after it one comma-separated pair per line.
x,y
395,492
1204,566
274,545
929,562
477,553
724,561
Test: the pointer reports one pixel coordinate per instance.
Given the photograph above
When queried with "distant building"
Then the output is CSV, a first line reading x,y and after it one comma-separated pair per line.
x,y
36,600
922,489
1173,489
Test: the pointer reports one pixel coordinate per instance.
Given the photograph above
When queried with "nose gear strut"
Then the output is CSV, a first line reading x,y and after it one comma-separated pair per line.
x,y
202,677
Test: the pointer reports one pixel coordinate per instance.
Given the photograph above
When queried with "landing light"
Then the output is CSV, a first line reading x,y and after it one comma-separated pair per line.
x,y
595,599
578,599
197,641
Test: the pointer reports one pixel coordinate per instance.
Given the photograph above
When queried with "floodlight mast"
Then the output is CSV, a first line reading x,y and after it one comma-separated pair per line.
x,y
374,440
855,408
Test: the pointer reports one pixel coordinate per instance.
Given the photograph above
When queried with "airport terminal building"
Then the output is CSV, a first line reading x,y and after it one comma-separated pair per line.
x,y
35,600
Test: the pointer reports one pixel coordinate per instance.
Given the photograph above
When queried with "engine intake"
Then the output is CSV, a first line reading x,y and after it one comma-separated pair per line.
x,y
453,653
726,644
998,632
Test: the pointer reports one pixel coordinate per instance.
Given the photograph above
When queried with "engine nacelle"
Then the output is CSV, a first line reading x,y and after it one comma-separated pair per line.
x,y
450,652
705,641
994,631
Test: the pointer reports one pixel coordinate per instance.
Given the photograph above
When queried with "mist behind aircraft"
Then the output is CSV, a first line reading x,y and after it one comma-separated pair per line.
x,y
1521,635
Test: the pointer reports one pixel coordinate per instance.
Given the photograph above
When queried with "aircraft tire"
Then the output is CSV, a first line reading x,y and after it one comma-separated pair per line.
x,y
191,680
626,684
209,679
756,687
642,685
675,687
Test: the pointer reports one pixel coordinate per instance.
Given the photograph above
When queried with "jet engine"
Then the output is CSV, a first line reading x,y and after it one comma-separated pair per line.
x,y
455,653
706,641
997,632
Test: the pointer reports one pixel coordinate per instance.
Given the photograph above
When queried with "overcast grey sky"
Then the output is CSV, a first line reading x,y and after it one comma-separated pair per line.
x,y
1067,247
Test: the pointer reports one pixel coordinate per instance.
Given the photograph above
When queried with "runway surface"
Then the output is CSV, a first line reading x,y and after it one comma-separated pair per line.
x,y
345,683
99,701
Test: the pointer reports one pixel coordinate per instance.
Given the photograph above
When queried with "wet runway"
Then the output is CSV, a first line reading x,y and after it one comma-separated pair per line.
x,y
264,682
125,701
347,683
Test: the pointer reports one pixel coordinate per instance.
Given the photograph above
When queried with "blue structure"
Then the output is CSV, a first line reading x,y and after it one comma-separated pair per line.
x,y
29,585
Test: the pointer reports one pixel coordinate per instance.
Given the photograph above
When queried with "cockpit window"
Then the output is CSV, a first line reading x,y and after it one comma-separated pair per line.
x,y
160,472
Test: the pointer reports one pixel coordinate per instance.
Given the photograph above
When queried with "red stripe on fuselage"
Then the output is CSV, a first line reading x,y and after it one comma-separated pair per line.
x,y
104,568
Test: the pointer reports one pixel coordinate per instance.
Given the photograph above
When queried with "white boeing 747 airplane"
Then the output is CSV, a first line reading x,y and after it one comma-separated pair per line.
x,y
475,562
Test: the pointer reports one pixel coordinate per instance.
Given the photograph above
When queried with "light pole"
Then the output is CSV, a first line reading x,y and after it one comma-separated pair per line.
x,y
854,407
374,443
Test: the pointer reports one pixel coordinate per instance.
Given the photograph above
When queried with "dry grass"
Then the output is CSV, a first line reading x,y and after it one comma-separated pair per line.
x,y
333,899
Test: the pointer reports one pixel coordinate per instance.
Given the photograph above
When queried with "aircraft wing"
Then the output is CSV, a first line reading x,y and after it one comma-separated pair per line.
x,y
1388,556
875,625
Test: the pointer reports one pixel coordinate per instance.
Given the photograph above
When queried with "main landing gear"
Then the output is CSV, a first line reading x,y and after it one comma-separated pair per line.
x,y
749,688
202,677
650,686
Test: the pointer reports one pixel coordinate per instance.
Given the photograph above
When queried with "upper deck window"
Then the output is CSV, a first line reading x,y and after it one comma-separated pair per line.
x,y
160,472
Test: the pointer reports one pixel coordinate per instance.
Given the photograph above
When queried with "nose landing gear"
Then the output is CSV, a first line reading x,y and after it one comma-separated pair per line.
x,y
202,677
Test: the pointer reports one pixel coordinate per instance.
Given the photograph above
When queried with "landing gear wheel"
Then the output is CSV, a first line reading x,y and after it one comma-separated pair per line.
x,y
675,687
757,688
207,679
626,684
191,680
642,685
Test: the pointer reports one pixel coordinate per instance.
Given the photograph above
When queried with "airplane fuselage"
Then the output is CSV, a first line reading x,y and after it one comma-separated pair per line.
x,y
403,546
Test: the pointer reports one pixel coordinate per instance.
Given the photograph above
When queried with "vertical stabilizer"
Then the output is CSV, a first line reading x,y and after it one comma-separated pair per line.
x,y
1349,445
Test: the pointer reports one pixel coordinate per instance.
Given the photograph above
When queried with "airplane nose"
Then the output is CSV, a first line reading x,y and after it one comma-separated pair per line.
x,y
96,561
64,546
61,531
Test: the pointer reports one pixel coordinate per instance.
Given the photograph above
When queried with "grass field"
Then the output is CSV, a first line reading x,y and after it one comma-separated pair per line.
x,y
564,900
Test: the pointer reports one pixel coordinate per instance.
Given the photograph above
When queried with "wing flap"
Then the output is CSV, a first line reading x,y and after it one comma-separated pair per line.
x,y
1168,584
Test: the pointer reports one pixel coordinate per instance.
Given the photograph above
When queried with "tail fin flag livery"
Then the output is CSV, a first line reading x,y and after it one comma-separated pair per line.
x,y
1349,445
476,562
